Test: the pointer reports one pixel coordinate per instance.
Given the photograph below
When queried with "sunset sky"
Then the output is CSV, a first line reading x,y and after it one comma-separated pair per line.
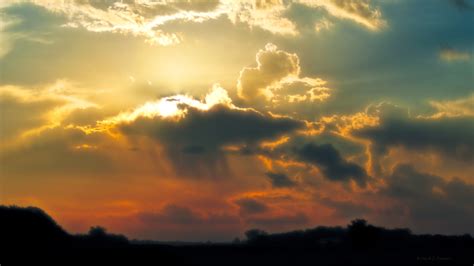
x,y
197,120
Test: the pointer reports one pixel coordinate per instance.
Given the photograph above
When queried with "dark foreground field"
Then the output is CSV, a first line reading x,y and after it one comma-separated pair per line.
x,y
28,235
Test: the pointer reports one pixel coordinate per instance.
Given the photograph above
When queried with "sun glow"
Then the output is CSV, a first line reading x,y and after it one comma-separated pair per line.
x,y
173,106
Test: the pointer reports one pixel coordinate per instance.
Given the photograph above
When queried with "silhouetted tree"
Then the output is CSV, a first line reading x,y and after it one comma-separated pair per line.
x,y
236,241
97,231
255,234
29,230
363,235
30,227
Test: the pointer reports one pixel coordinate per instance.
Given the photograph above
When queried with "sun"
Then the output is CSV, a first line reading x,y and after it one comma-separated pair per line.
x,y
172,107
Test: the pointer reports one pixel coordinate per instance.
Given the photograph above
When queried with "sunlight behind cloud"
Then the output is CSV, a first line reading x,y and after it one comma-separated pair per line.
x,y
172,106
108,111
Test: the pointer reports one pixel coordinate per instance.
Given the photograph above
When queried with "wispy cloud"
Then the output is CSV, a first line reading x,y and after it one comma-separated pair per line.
x,y
358,11
454,108
145,18
451,55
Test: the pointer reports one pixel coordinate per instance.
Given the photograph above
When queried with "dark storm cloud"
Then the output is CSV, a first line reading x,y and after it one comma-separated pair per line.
x,y
280,179
195,149
435,204
332,165
212,129
251,206
451,136
194,142
405,182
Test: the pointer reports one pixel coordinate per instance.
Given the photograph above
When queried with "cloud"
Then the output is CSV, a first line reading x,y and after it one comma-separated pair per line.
x,y
454,108
147,18
267,15
434,203
250,206
449,54
184,122
187,136
270,15
276,78
195,149
26,110
450,136
280,180
272,66
177,215
358,11
142,18
6,38
426,202
346,209
10,33
20,115
172,106
296,90
343,125
330,162
462,4
323,24
172,214
67,152
195,134
280,221
84,117
213,129
175,222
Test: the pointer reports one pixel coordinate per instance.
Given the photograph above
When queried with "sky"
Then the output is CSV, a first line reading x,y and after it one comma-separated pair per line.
x,y
198,120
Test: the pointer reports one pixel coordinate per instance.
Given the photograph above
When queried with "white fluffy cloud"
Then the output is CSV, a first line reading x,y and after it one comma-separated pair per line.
x,y
276,78
272,66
